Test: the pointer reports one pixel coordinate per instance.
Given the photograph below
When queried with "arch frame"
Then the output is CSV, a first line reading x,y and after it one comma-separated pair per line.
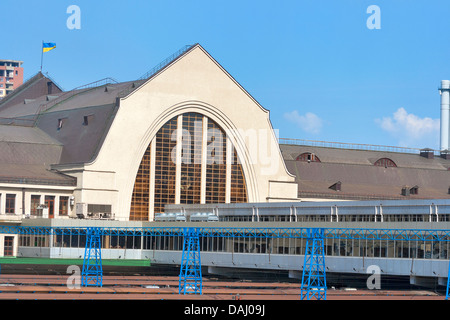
x,y
216,115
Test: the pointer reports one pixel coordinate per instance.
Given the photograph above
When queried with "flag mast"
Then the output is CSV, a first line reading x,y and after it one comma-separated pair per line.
x,y
46,46
42,54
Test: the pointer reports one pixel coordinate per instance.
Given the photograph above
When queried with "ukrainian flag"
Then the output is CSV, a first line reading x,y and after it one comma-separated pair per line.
x,y
47,46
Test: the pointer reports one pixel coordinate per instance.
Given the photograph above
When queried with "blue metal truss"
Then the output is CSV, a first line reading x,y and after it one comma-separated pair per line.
x,y
314,283
92,265
190,271
92,273
253,232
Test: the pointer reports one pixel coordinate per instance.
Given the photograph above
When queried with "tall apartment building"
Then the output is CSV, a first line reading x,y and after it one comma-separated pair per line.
x,y
11,76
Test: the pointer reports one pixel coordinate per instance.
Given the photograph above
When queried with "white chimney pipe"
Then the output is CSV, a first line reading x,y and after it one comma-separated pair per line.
x,y
445,114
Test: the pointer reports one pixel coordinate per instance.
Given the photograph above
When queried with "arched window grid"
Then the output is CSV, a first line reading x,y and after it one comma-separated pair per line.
x,y
385,162
308,157
201,174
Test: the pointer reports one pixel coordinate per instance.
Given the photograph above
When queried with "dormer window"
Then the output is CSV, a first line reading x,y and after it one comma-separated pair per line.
x,y
406,191
308,157
385,162
336,187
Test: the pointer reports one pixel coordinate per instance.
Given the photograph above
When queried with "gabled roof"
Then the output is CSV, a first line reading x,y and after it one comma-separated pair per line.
x,y
37,86
61,115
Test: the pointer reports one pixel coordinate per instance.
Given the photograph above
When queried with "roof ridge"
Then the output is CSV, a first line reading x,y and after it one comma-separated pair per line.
x,y
22,87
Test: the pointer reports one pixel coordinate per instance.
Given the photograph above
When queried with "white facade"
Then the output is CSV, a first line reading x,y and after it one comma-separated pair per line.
x,y
19,205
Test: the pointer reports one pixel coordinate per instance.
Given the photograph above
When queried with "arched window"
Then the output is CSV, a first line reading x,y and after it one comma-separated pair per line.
x,y
385,162
193,172
308,157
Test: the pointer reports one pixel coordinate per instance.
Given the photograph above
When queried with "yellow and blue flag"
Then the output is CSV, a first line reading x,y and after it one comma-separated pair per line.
x,y
47,46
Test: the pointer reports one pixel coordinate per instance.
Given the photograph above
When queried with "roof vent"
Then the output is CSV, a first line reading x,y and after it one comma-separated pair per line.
x,y
27,101
427,153
50,98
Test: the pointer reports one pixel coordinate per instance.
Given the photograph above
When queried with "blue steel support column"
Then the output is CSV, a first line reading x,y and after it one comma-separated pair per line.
x,y
448,282
314,284
92,273
190,270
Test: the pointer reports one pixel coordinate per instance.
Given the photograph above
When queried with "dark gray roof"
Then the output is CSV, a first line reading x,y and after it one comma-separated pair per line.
x,y
33,174
21,134
79,142
361,179
26,155
28,145
31,141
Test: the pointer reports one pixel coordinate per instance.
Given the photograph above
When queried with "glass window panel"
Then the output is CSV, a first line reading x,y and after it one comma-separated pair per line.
x,y
190,168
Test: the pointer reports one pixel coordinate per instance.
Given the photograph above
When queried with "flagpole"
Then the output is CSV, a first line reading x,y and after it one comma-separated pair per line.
x,y
42,54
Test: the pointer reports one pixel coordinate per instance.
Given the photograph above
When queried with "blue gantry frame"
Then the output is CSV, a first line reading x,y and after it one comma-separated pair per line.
x,y
92,273
190,271
253,232
314,283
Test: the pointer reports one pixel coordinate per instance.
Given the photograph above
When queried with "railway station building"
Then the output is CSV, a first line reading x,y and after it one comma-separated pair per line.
x,y
185,136
186,133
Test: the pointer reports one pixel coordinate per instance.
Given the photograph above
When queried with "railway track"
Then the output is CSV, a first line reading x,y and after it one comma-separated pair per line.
x,y
54,287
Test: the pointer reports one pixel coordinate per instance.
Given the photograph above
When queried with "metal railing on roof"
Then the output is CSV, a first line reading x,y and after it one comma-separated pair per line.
x,y
23,122
155,70
353,146
66,95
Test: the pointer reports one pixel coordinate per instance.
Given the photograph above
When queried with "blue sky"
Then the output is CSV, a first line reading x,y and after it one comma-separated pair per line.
x,y
318,68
